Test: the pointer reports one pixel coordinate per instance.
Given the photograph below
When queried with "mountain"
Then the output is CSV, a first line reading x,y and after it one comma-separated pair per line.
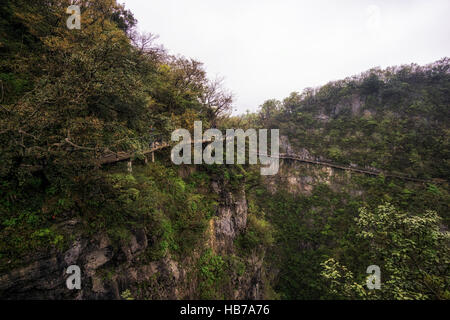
x,y
363,177
391,124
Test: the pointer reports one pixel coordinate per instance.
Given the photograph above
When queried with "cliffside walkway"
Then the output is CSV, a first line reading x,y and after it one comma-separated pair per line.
x,y
287,156
122,156
356,169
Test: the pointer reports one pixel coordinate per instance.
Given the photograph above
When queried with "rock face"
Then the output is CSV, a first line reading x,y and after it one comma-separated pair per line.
x,y
108,270
45,277
230,221
301,178
250,285
353,103
227,225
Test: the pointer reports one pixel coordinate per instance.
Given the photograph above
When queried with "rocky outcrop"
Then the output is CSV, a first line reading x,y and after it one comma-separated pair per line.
x,y
231,220
298,177
108,269
250,285
45,275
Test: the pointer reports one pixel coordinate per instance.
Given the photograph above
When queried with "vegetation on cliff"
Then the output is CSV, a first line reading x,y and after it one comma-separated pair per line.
x,y
70,97
394,120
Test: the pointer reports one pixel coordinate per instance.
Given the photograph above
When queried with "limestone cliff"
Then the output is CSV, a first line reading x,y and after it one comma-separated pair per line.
x,y
108,269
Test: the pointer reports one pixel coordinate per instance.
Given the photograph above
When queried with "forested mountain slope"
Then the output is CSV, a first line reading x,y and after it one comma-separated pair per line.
x,y
71,97
394,121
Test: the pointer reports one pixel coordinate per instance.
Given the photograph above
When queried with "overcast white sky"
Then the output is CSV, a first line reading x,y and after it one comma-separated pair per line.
x,y
269,48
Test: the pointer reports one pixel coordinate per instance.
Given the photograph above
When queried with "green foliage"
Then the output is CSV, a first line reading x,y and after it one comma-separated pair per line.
x,y
212,276
341,281
71,97
173,210
411,250
309,229
259,232
126,295
394,119
304,229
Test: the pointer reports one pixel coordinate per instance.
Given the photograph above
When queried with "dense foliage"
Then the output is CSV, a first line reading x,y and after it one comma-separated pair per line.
x,y
68,98
71,97
412,249
395,120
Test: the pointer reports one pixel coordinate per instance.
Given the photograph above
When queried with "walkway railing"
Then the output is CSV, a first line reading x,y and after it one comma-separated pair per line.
x,y
288,156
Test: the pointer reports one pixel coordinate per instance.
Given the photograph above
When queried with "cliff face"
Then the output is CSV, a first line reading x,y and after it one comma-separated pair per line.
x,y
44,277
309,206
230,222
108,270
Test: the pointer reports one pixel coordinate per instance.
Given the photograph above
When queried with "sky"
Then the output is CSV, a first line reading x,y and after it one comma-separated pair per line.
x,y
266,49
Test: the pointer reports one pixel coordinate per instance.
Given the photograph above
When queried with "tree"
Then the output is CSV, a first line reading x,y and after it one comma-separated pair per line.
x,y
411,250
269,110
217,100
